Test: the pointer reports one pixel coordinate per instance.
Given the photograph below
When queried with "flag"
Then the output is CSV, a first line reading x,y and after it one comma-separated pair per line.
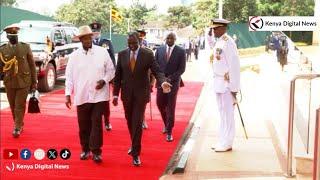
x,y
116,15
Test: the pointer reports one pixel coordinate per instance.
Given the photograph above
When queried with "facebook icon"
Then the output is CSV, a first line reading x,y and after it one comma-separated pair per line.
x,y
25,154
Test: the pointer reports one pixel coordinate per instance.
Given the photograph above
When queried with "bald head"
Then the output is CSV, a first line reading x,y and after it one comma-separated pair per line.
x,y
171,39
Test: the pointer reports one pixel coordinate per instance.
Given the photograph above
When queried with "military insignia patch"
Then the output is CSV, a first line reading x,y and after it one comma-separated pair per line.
x,y
104,45
225,38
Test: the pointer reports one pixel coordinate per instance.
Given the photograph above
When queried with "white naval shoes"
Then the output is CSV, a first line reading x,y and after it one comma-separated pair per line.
x,y
218,148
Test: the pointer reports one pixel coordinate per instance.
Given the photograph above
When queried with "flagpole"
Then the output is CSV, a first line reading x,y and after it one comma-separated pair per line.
x,y
110,24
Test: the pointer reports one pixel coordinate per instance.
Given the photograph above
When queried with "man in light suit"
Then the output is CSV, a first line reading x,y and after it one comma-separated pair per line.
x,y
172,61
132,79
226,72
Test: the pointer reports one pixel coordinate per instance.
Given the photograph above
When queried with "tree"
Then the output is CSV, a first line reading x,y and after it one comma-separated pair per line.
x,y
8,2
179,16
138,14
297,8
239,11
202,13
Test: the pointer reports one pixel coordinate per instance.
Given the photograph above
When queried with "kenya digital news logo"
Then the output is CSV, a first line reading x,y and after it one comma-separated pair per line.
x,y
255,23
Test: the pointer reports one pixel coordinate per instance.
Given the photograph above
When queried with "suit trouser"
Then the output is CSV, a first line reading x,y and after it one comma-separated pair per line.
x,y
134,113
90,126
17,99
226,129
106,114
166,103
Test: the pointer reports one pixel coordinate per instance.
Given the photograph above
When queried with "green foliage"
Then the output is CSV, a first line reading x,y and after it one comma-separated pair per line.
x,y
285,7
8,2
239,11
83,12
179,16
138,14
202,12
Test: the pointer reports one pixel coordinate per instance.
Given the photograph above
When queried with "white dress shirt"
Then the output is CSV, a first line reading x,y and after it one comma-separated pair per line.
x,y
83,70
228,63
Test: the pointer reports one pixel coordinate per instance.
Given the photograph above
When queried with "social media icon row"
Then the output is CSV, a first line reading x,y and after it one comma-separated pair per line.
x,y
38,154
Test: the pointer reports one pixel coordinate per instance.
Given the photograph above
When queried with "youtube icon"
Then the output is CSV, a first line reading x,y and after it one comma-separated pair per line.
x,y
10,154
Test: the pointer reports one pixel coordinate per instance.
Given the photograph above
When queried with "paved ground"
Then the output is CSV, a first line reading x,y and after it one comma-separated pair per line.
x,y
259,157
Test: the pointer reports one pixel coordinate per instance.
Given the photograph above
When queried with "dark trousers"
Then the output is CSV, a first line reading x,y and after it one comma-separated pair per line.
x,y
17,100
167,106
90,126
106,114
134,113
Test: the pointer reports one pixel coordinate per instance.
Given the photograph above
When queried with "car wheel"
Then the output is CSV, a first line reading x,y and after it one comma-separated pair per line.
x,y
47,82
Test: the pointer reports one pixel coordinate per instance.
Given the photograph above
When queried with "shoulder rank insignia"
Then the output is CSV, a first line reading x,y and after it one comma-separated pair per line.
x,y
225,38
105,45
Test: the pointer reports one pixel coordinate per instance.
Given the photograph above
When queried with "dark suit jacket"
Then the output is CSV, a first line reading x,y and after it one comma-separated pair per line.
x,y
136,84
175,67
107,44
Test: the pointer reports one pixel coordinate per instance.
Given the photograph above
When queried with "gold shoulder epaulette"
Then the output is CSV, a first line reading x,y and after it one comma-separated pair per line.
x,y
225,38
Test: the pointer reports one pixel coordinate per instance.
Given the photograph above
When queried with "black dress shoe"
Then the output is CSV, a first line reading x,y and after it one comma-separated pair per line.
x,y
84,155
130,151
136,161
108,127
16,132
144,125
97,158
169,137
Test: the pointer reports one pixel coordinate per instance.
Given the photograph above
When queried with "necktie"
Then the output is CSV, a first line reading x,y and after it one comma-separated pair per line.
x,y
168,54
132,61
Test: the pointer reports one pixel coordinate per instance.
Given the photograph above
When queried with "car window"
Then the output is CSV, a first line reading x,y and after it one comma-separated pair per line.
x,y
70,33
30,35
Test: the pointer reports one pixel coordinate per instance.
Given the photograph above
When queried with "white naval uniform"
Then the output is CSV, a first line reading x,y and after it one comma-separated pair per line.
x,y
228,63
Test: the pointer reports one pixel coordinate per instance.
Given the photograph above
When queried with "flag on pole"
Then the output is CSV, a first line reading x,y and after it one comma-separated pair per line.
x,y
116,15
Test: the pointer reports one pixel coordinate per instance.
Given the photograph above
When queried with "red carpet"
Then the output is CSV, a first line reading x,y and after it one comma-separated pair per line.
x,y
56,127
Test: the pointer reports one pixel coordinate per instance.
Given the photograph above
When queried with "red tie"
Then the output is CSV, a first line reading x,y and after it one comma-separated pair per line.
x,y
168,54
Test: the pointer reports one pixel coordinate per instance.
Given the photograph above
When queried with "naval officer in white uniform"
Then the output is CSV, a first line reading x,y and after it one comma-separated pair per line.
x,y
226,82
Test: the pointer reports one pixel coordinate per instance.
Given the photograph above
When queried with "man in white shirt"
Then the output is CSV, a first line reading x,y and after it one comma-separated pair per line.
x,y
226,72
88,72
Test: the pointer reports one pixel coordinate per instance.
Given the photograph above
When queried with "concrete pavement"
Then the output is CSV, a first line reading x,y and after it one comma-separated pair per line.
x,y
260,156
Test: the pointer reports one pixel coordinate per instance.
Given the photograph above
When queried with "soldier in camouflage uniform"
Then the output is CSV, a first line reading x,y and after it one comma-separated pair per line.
x,y
18,67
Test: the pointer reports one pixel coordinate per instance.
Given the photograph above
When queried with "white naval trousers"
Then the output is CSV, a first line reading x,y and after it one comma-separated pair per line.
x,y
226,131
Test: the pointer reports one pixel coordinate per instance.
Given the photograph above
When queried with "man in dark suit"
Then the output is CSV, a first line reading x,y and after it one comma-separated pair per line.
x,y
172,61
106,43
132,79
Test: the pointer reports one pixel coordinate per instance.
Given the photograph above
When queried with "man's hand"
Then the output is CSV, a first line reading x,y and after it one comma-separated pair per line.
x,y
100,84
226,77
166,87
68,102
115,101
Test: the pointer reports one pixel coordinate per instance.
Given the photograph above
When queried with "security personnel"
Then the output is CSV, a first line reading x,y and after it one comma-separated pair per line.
x,y
226,72
144,44
19,71
106,43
